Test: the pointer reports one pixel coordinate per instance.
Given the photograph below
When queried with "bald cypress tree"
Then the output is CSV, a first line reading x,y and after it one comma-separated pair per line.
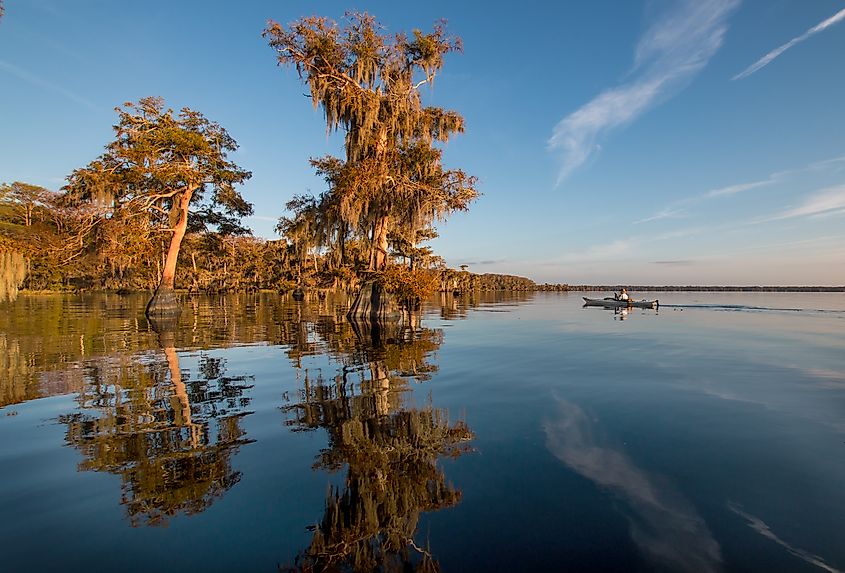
x,y
165,170
368,84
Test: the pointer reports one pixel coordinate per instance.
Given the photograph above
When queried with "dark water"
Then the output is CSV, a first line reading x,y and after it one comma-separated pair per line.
x,y
498,434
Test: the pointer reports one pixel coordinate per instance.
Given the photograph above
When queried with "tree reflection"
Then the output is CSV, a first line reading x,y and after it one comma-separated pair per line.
x,y
390,452
46,341
169,439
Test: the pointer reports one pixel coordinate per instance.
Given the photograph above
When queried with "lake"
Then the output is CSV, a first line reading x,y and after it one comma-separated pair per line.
x,y
503,432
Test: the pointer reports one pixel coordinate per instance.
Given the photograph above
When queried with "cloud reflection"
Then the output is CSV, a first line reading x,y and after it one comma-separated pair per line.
x,y
763,529
663,524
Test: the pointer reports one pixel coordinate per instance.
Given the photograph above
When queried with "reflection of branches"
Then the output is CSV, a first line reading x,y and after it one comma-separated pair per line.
x,y
43,345
404,438
392,478
171,441
390,454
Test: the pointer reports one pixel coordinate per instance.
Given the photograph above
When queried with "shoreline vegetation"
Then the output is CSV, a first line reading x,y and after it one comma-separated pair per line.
x,y
463,282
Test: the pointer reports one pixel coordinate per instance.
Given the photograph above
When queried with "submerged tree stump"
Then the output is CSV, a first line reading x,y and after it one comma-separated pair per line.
x,y
165,303
375,305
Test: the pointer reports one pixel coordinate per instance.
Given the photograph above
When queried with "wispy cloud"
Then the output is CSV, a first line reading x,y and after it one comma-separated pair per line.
x,y
622,248
827,163
829,201
776,177
42,83
669,54
819,243
768,58
667,213
599,252
675,210
739,188
680,207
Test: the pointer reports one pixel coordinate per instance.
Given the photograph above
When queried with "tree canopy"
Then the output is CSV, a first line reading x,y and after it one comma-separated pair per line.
x,y
163,172
368,84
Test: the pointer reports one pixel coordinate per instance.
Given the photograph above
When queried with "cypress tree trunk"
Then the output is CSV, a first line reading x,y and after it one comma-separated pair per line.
x,y
165,301
378,251
373,304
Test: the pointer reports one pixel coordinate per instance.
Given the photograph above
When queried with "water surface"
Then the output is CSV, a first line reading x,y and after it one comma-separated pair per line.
x,y
499,433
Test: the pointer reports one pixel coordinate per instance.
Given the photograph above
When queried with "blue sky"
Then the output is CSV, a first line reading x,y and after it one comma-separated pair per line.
x,y
660,142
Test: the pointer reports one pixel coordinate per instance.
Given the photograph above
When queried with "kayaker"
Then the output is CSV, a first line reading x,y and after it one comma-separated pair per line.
x,y
624,295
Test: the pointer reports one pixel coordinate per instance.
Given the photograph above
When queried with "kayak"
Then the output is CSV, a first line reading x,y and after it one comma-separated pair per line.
x,y
614,303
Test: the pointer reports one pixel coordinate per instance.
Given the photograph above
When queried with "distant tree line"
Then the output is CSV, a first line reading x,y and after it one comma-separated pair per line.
x,y
463,281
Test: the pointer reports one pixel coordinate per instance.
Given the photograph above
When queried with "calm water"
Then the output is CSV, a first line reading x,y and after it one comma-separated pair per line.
x,y
499,434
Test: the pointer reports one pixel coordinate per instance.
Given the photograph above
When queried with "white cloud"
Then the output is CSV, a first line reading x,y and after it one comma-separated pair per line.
x,y
576,134
829,201
734,189
827,163
675,210
667,213
669,54
767,59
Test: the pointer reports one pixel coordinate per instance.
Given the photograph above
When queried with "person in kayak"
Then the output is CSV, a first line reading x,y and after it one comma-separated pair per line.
x,y
623,295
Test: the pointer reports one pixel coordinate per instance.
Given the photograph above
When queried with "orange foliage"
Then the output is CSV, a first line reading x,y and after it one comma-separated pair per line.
x,y
409,285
